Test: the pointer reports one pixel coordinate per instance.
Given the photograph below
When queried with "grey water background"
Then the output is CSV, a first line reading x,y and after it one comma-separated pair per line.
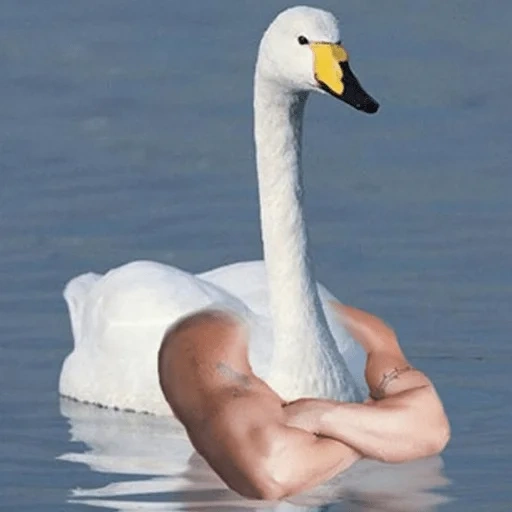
x,y
125,133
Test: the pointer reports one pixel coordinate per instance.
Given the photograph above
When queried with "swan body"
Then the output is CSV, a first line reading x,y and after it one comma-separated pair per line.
x,y
295,343
119,320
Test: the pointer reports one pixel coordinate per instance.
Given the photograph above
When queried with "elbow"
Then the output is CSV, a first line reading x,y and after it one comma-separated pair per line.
x,y
267,490
259,476
252,479
438,435
441,435
261,484
425,443
247,464
437,438
442,431
268,476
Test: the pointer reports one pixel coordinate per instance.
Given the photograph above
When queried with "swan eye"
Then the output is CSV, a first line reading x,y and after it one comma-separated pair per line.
x,y
302,40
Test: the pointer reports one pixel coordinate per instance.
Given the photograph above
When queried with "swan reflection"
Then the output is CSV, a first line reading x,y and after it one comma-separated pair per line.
x,y
170,475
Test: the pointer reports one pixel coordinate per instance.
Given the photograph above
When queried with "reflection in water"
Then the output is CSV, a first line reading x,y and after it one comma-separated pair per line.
x,y
171,476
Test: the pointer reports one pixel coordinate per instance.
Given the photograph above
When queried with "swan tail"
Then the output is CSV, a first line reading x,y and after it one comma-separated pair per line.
x,y
75,293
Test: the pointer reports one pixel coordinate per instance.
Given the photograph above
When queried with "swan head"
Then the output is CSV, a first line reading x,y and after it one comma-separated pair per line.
x,y
301,51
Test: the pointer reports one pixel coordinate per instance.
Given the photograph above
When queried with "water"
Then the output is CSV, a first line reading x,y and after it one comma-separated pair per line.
x,y
126,133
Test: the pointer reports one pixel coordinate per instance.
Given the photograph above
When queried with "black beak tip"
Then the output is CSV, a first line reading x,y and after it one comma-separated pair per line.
x,y
369,107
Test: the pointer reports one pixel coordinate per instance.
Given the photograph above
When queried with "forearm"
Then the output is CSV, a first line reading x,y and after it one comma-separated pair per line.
x,y
403,427
408,420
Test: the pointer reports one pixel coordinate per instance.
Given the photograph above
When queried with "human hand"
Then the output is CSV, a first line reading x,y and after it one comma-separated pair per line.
x,y
306,414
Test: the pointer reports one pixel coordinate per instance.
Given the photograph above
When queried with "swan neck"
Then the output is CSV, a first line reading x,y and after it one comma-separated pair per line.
x,y
300,327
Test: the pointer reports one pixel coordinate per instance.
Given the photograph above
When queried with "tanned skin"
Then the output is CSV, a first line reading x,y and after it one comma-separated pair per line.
x,y
265,448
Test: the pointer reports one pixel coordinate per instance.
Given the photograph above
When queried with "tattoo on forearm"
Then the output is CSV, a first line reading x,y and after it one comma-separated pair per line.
x,y
231,374
380,392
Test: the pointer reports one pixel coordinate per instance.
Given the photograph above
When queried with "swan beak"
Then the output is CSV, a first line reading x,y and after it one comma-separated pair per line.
x,y
334,76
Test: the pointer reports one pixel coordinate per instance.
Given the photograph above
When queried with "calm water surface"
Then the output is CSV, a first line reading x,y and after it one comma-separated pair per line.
x,y
125,133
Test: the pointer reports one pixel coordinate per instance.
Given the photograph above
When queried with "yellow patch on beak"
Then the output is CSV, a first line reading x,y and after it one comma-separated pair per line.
x,y
328,57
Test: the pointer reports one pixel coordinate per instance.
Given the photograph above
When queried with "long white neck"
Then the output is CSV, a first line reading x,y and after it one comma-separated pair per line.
x,y
303,345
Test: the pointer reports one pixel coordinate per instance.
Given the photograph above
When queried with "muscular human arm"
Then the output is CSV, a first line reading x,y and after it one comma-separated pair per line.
x,y
252,449
398,428
404,422
234,420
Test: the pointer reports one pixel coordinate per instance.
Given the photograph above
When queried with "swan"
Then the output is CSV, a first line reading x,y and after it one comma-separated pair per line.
x,y
296,342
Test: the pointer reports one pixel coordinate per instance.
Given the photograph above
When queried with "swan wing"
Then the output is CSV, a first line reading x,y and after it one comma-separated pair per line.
x,y
118,322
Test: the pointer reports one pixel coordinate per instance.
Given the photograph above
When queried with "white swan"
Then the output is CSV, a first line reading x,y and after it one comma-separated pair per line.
x,y
296,344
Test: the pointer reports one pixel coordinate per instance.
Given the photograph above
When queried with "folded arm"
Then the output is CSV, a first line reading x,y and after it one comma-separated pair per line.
x,y
234,420
398,428
259,456
405,418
